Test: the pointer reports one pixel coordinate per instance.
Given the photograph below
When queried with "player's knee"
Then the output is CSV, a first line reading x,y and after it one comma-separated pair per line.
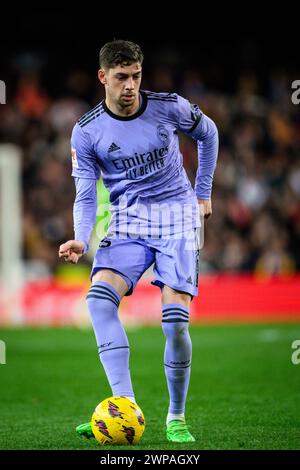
x,y
173,296
113,279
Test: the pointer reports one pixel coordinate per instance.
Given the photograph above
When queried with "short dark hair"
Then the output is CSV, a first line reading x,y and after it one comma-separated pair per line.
x,y
119,52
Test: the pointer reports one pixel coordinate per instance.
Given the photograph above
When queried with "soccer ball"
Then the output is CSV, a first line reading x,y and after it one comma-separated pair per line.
x,y
118,421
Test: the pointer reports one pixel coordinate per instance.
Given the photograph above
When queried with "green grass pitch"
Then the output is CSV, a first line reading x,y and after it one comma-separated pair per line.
x,y
244,391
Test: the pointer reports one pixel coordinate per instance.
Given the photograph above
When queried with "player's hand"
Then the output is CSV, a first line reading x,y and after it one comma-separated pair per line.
x,y
205,207
71,251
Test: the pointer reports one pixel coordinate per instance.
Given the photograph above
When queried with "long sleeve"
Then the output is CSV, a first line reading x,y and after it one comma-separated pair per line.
x,y
208,144
192,121
85,209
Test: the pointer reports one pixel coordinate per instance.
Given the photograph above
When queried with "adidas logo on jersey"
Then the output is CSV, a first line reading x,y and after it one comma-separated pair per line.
x,y
113,147
189,280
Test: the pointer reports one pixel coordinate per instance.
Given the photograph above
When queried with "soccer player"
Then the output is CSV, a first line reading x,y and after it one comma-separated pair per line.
x,y
131,140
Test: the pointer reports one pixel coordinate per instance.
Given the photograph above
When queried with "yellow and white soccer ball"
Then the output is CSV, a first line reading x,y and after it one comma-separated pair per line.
x,y
118,421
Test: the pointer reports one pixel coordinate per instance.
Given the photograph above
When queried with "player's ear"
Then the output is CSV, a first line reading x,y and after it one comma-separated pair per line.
x,y
102,76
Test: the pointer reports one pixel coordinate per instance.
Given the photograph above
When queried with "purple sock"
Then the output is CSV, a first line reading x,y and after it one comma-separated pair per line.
x,y
178,354
103,302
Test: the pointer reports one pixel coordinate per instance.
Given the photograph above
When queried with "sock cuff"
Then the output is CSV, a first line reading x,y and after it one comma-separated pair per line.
x,y
178,416
169,307
108,287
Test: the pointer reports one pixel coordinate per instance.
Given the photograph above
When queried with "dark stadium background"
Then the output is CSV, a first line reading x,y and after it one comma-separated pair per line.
x,y
240,75
243,82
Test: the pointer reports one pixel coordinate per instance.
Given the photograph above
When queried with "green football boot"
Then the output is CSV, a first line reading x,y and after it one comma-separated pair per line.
x,y
177,431
85,430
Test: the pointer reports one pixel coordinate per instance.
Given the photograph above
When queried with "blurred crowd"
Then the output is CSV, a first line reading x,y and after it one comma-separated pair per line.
x,y
255,225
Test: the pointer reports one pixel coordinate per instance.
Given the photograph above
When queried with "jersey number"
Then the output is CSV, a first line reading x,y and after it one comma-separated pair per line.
x,y
105,243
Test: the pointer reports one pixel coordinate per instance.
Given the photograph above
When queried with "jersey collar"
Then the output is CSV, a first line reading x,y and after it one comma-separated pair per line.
x,y
133,116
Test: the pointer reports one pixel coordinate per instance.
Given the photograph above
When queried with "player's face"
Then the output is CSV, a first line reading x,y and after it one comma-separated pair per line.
x,y
122,84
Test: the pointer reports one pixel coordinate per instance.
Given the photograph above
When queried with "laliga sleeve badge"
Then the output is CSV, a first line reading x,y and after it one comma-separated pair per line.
x,y
74,158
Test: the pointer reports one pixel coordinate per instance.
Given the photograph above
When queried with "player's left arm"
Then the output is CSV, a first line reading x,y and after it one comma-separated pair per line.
x,y
193,122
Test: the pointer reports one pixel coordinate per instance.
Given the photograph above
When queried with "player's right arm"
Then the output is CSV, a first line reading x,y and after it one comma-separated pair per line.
x,y
85,172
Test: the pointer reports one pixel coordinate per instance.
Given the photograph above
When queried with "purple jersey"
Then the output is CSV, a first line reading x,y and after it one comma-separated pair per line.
x,y
140,162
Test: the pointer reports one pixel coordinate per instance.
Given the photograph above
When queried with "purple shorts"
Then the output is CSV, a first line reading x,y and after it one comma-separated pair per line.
x,y
176,260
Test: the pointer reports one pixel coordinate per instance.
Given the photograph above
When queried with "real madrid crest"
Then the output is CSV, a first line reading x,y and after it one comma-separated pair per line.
x,y
163,134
